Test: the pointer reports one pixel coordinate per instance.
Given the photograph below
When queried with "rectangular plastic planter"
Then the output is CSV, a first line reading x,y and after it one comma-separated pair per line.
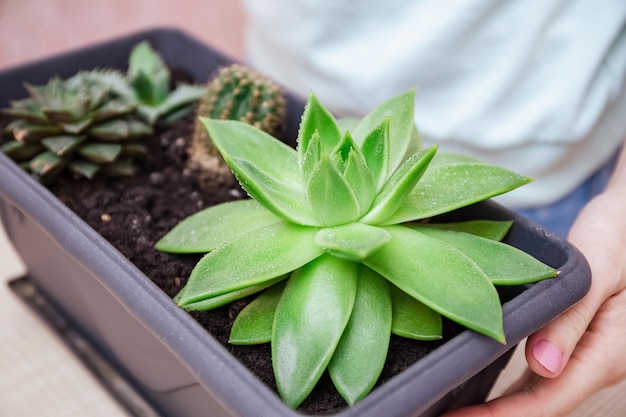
x,y
175,363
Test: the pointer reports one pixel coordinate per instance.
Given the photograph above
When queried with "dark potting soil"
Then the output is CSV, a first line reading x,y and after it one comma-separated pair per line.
x,y
135,212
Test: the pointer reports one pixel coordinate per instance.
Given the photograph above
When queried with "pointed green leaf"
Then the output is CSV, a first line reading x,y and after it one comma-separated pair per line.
x,y
361,180
311,157
400,111
224,299
362,350
148,74
352,241
330,196
502,263
19,151
25,109
63,145
448,187
317,118
46,164
412,319
375,150
489,229
253,324
345,146
84,168
216,226
27,132
184,95
251,259
120,129
310,318
441,277
253,156
112,108
398,187
73,127
100,152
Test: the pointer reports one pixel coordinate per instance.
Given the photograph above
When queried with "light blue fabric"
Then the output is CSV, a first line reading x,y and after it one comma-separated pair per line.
x,y
559,216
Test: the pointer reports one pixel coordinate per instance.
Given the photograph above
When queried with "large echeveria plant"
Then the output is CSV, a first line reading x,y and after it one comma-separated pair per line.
x,y
331,237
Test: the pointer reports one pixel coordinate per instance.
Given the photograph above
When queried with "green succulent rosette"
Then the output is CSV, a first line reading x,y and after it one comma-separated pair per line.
x,y
332,241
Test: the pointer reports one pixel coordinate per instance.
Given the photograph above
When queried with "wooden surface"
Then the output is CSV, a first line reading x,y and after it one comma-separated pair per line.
x,y
38,374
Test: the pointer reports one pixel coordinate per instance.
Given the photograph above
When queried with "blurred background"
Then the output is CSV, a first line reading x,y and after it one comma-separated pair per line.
x,y
31,29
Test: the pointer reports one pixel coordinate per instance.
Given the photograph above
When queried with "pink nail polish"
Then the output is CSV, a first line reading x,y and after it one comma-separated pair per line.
x,y
548,355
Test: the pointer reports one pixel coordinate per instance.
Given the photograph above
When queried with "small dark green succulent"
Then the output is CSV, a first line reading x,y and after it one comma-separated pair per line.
x,y
238,93
149,79
80,123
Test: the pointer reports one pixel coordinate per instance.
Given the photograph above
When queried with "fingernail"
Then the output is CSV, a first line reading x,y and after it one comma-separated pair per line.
x,y
548,355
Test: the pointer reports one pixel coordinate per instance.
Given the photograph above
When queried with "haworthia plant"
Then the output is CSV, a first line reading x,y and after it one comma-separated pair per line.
x,y
81,124
331,238
90,122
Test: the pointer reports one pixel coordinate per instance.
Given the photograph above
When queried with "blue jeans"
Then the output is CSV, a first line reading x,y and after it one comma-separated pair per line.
x,y
559,216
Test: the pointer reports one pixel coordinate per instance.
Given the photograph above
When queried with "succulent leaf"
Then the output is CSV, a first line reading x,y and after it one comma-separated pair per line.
x,y
376,152
503,264
63,145
215,226
84,168
448,187
361,180
254,323
330,195
46,163
365,339
227,298
353,241
400,111
251,259
103,153
275,186
397,188
148,75
19,151
412,319
489,229
317,118
310,318
26,132
441,277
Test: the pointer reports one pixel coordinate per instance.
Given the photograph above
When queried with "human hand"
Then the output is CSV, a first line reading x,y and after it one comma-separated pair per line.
x,y
582,351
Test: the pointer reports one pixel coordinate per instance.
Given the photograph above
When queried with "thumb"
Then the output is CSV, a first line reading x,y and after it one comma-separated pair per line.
x,y
548,350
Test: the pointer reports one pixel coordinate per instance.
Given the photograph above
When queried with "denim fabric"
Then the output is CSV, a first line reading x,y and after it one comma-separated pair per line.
x,y
559,216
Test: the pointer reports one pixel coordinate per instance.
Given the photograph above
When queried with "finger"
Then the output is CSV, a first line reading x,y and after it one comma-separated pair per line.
x,y
596,363
549,349
544,397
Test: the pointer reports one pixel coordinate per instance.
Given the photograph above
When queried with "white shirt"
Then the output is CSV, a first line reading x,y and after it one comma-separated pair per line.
x,y
537,86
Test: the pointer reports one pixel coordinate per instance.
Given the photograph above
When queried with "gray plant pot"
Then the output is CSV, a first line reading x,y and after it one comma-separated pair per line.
x,y
180,368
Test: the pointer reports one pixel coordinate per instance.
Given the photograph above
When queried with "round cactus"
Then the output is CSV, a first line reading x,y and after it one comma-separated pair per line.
x,y
240,93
